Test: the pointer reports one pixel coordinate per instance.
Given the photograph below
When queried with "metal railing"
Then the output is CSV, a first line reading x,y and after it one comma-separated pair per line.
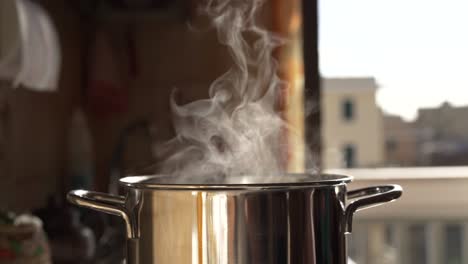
x,y
427,225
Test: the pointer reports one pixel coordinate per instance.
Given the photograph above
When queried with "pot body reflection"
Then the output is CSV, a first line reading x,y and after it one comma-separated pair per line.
x,y
272,226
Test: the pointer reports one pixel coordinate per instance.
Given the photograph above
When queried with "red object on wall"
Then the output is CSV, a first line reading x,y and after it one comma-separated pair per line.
x,y
6,254
106,98
112,66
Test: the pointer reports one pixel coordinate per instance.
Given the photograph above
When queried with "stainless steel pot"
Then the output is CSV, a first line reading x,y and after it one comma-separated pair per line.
x,y
295,218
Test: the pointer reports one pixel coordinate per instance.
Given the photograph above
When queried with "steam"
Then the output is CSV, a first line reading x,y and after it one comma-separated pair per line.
x,y
237,131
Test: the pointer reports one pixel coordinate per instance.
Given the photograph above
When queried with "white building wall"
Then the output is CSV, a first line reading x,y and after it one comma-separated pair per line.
x,y
364,131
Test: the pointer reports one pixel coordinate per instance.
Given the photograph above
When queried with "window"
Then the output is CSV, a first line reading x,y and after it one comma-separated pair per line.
x,y
420,106
403,122
349,154
348,111
391,145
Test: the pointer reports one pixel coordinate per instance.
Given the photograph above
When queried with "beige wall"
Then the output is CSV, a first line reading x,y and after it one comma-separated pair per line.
x,y
364,131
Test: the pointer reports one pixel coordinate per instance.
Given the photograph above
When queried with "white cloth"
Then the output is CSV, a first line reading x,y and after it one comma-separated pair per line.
x,y
36,59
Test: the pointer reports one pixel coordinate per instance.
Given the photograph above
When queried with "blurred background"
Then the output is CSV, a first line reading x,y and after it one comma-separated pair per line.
x,y
377,90
394,101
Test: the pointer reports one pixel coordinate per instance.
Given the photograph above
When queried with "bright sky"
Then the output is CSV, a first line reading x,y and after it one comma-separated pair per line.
x,y
416,49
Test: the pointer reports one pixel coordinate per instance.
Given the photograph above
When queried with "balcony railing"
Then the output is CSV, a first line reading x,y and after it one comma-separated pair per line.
x,y
428,224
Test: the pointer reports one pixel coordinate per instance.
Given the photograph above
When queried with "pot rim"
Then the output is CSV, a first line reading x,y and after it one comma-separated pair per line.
x,y
289,180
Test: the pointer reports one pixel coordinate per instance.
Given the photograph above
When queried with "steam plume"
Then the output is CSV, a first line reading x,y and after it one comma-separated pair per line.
x,y
237,130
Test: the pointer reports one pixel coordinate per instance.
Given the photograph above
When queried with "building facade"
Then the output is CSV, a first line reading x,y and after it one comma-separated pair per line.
x,y
438,137
445,121
444,141
402,141
352,123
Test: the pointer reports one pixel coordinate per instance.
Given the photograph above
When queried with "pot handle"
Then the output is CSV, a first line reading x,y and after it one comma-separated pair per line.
x,y
102,202
369,197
